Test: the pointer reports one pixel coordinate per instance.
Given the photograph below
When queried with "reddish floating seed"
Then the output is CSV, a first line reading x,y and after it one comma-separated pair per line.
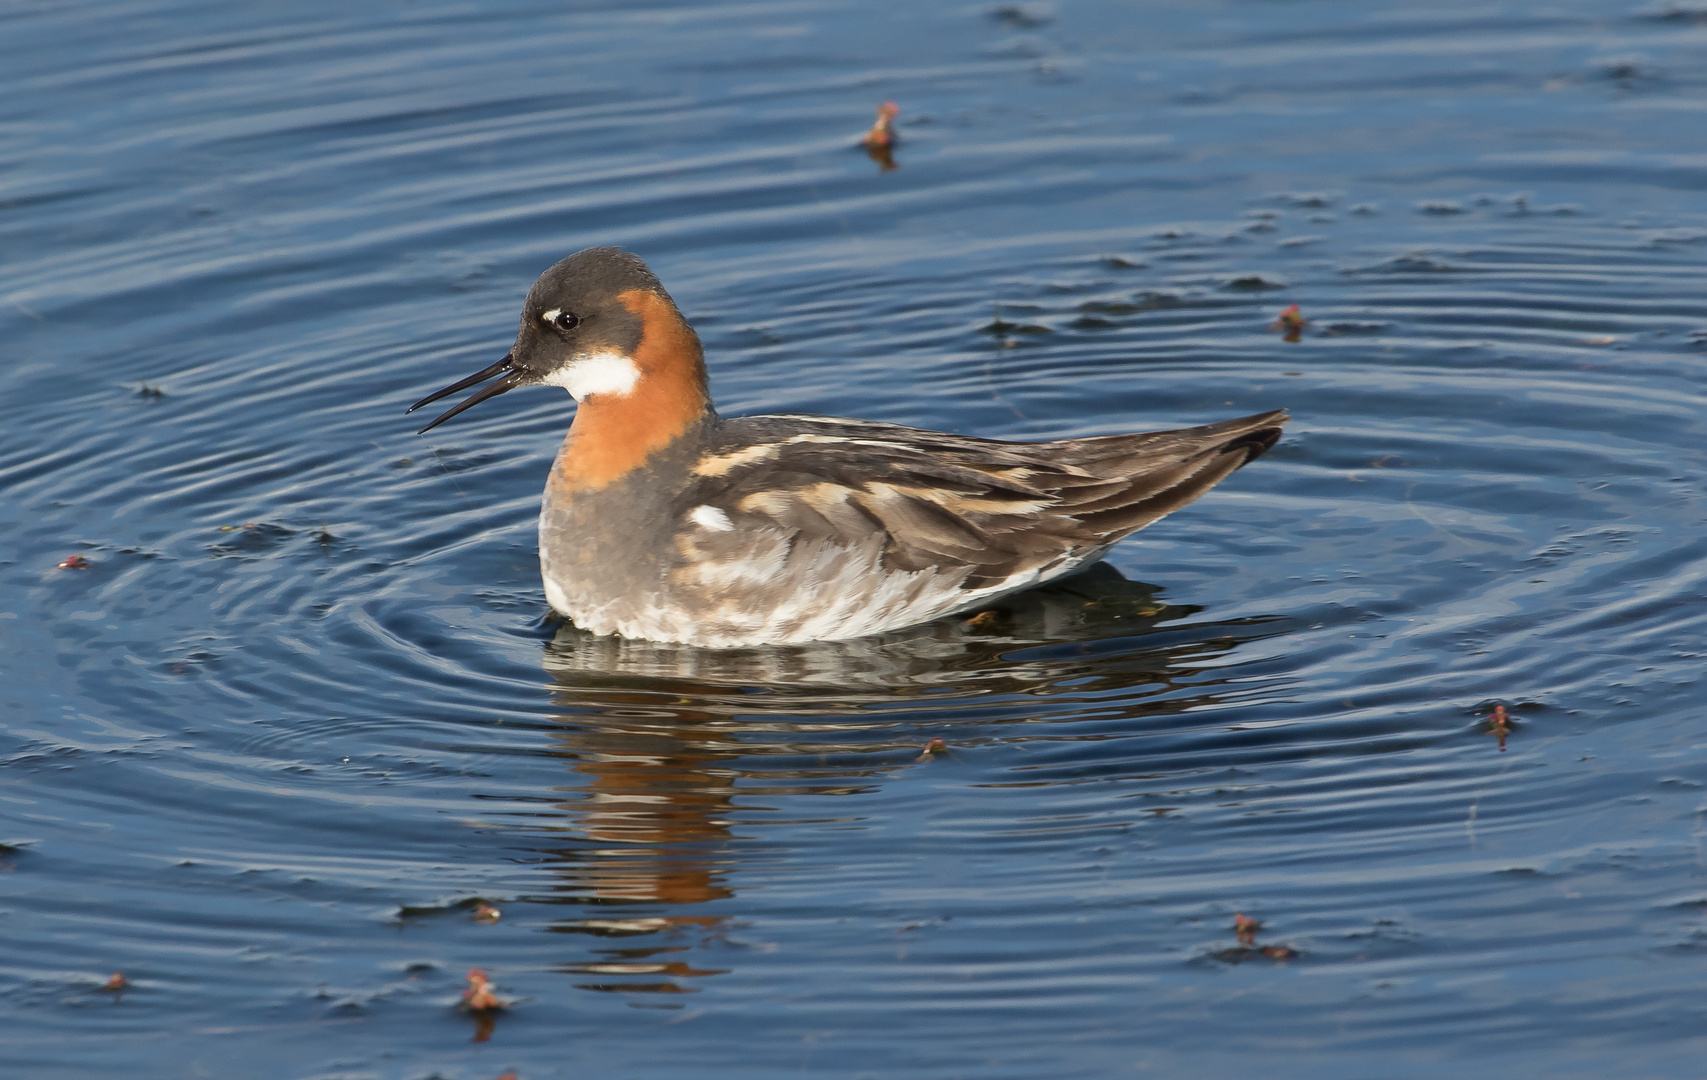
x,y
75,562
1245,928
1290,322
1499,724
479,996
880,141
881,133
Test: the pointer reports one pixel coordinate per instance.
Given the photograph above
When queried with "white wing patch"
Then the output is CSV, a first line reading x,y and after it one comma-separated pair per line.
x,y
710,517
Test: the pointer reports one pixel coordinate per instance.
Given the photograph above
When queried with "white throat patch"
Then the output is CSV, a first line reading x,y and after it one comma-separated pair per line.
x,y
596,373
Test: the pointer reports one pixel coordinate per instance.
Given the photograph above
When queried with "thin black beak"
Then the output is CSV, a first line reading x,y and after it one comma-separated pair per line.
x,y
508,382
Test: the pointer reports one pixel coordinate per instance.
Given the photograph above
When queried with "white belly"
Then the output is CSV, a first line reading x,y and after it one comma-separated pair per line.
x,y
768,590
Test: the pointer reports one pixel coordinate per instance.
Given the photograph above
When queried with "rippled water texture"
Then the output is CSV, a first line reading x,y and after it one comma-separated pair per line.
x,y
302,715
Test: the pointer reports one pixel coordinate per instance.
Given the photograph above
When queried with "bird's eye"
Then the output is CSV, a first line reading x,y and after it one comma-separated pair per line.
x,y
563,320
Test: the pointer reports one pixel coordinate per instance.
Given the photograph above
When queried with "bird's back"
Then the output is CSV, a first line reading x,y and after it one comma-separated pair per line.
x,y
933,499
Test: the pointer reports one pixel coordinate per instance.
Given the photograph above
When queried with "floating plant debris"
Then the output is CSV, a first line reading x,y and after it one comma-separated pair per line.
x,y
1290,322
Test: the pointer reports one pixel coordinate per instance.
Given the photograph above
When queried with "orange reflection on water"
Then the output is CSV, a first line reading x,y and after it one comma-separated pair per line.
x,y
661,804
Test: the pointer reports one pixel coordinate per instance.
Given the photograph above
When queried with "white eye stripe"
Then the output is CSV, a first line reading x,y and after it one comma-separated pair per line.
x,y
551,315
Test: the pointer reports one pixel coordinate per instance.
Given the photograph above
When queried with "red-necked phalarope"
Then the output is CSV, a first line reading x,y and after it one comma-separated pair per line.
x,y
664,521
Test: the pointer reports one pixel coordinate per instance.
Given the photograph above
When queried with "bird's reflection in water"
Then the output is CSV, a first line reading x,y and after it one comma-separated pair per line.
x,y
676,745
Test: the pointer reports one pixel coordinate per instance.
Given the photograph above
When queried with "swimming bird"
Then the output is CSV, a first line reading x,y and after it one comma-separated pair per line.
x,y
664,521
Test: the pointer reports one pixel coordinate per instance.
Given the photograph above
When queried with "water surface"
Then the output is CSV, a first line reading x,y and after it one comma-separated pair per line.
x,y
303,713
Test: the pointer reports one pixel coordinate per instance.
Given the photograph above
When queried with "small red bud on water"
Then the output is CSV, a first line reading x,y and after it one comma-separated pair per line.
x,y
479,997
880,141
1499,724
881,133
1290,323
75,562
481,1002
1245,928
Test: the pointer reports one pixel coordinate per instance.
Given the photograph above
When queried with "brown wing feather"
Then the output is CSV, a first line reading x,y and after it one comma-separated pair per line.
x,y
999,508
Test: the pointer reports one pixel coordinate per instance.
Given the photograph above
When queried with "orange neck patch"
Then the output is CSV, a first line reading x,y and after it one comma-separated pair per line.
x,y
614,434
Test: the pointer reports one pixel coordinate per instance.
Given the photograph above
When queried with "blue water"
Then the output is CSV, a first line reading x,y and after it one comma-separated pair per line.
x,y
303,711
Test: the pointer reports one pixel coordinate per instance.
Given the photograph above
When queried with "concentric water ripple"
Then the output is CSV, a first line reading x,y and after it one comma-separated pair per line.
x,y
304,713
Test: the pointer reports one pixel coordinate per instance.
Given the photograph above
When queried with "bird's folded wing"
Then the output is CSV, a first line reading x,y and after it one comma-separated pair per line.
x,y
934,499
